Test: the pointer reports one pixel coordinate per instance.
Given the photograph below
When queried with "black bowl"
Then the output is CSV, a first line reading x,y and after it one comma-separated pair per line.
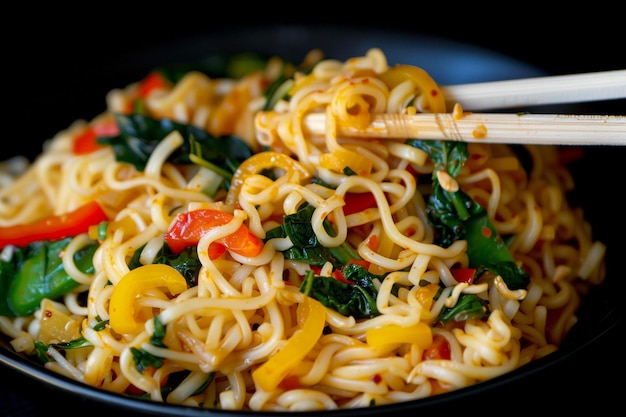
x,y
578,371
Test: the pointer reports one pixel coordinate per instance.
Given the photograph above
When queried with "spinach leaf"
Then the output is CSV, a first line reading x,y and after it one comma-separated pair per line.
x,y
455,215
139,136
306,247
144,359
357,299
468,306
186,262
36,272
279,89
7,273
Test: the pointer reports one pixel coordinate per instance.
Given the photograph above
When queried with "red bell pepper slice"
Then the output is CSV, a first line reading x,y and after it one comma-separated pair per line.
x,y
53,227
439,349
189,227
87,141
356,202
151,82
464,274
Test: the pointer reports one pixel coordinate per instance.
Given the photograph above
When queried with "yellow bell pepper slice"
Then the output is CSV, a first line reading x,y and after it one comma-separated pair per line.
x,y
122,305
426,294
420,334
259,162
312,316
422,80
342,158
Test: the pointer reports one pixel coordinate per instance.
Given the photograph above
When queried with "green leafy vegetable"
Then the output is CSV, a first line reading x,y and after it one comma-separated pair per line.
x,y
36,272
357,299
140,135
186,262
306,247
279,89
144,360
468,306
455,215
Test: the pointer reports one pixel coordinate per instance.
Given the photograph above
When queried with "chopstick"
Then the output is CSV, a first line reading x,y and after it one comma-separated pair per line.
x,y
544,129
520,128
558,89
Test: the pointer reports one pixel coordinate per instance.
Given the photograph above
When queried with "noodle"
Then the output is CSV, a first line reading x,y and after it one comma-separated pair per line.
x,y
294,271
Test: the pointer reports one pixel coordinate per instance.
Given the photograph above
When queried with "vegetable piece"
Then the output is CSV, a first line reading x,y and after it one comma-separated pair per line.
x,y
139,135
356,202
338,274
122,305
455,215
190,226
466,275
306,247
145,360
426,294
439,349
422,80
186,262
87,141
339,159
355,295
54,227
36,272
468,306
311,318
277,91
7,274
152,82
419,334
56,325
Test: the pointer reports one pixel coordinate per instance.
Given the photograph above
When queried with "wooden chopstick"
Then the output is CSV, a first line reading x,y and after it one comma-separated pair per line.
x,y
555,129
559,89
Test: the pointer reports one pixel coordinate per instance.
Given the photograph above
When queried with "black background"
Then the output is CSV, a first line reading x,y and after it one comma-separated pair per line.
x,y
50,47
45,49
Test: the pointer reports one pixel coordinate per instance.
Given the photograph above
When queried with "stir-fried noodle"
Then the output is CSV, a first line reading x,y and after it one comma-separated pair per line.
x,y
220,255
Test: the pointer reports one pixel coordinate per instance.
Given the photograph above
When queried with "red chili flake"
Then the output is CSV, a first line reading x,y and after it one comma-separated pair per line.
x,y
411,170
377,379
486,232
290,382
48,313
434,93
410,231
372,242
